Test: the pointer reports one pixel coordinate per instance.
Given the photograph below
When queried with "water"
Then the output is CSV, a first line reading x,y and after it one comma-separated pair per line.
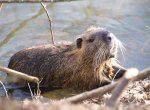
x,y
25,25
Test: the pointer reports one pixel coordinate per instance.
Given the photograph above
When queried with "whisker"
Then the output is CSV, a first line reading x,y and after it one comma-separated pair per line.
x,y
115,75
122,49
117,61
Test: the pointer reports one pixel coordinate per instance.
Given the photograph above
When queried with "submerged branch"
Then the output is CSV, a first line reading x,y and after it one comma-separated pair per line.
x,y
19,75
20,26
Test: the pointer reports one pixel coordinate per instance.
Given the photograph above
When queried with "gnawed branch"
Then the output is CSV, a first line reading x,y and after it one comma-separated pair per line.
x,y
21,75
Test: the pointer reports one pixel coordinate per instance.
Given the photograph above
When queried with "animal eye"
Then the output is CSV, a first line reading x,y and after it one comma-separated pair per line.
x,y
91,40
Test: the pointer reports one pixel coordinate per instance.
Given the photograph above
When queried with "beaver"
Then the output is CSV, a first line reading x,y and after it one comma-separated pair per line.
x,y
85,64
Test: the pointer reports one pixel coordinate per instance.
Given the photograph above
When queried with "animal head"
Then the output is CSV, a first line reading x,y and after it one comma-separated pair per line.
x,y
98,43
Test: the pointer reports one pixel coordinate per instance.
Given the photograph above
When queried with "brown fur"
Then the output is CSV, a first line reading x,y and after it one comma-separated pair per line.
x,y
82,65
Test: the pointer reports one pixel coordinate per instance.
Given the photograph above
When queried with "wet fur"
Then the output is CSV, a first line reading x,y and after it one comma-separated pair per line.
x,y
80,66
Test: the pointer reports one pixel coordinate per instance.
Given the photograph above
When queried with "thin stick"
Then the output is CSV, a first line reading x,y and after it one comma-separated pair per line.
x,y
20,26
1,5
30,90
50,22
38,88
116,93
34,1
19,74
102,90
4,89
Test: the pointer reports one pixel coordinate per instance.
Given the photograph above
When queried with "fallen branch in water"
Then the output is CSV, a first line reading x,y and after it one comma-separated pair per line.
x,y
116,93
102,90
21,75
50,22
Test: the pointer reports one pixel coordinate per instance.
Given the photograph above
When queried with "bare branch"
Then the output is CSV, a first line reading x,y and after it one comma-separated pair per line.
x,y
116,93
20,26
4,89
19,74
102,90
50,22
33,1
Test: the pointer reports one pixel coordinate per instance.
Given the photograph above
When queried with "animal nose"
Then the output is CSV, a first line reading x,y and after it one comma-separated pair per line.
x,y
106,36
109,38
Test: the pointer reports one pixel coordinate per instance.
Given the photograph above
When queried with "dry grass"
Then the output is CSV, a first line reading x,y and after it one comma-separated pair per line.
x,y
33,105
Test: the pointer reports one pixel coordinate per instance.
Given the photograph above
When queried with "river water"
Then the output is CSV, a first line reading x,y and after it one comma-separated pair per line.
x,y
25,25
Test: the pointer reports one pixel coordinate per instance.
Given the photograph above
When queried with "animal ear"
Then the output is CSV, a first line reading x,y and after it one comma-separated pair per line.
x,y
79,42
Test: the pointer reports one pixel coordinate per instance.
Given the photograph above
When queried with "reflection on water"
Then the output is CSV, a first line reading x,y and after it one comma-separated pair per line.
x,y
25,25
59,93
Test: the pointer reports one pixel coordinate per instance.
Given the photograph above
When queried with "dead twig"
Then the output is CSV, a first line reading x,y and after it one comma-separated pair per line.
x,y
50,22
20,26
21,75
116,93
102,90
34,1
30,91
4,89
